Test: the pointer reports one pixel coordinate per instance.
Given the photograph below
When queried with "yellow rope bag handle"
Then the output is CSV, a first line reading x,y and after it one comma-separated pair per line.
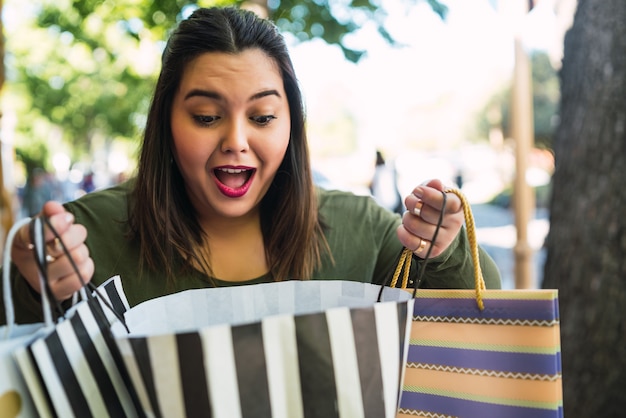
x,y
404,263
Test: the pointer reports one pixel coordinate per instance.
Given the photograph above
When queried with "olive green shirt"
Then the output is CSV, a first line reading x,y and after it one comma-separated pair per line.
x,y
361,235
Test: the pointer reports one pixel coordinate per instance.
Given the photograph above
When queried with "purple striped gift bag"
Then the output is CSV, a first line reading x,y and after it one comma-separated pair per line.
x,y
501,361
294,349
481,353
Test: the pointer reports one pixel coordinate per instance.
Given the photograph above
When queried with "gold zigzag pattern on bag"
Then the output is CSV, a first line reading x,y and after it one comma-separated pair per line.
x,y
487,321
488,373
423,413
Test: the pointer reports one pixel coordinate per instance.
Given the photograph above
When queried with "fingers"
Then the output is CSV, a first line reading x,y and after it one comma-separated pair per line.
x,y
73,237
421,248
433,198
52,208
60,220
62,276
416,243
424,206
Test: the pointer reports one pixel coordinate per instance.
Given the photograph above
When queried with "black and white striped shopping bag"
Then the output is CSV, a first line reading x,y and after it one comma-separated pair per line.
x,y
75,369
294,349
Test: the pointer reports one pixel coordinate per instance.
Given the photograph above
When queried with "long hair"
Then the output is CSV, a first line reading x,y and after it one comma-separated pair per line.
x,y
161,215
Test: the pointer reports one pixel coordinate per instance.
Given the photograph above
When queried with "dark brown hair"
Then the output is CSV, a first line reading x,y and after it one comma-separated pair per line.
x,y
161,215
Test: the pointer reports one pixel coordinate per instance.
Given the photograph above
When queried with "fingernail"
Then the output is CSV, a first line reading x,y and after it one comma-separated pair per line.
x,y
69,218
418,192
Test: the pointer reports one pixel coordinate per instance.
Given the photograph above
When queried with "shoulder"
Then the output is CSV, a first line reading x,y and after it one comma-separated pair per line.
x,y
109,202
343,206
339,198
361,235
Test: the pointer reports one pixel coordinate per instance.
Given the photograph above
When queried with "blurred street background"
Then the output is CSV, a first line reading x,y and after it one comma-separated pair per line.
x,y
495,230
435,103
483,94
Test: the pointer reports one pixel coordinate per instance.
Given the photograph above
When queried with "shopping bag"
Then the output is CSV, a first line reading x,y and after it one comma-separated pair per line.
x,y
288,349
74,369
15,400
482,353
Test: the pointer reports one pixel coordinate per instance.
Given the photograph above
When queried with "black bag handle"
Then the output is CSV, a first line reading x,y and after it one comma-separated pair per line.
x,y
42,264
404,262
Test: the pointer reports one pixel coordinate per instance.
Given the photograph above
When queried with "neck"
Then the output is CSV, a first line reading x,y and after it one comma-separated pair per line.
x,y
227,227
236,248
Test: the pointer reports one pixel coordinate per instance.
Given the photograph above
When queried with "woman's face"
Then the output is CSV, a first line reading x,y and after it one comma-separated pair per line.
x,y
231,127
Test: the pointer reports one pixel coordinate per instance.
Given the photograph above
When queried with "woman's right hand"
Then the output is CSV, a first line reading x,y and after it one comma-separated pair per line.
x,y
62,277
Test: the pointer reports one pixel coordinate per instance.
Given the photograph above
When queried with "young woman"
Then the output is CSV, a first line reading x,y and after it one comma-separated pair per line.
x,y
224,193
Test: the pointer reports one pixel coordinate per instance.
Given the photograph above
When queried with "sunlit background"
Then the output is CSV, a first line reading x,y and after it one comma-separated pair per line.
x,y
434,105
421,105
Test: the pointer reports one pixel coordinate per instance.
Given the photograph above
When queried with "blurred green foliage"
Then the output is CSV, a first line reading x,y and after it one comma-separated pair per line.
x,y
80,72
546,96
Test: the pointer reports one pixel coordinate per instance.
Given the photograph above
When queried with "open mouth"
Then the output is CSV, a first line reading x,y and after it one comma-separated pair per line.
x,y
234,182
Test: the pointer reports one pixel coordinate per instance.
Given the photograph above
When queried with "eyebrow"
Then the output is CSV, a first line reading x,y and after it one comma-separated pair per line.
x,y
213,95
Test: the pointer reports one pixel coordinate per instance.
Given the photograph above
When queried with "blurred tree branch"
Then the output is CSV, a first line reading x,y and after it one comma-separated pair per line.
x,y
83,70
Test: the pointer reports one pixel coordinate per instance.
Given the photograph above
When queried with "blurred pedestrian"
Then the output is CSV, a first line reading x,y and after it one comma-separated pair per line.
x,y
384,185
38,190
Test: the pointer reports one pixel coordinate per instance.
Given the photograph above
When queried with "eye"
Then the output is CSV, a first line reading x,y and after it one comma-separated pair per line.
x,y
204,120
263,120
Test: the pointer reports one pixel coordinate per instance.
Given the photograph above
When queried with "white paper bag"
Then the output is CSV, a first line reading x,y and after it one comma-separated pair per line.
x,y
15,399
291,349
72,367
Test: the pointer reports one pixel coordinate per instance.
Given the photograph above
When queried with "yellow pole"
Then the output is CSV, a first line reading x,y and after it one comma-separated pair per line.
x,y
522,129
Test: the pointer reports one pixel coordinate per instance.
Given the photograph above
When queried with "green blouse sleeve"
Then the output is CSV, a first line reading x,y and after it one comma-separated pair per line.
x,y
364,244
26,301
454,268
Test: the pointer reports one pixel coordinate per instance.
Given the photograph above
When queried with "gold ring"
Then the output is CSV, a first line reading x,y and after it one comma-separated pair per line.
x,y
55,245
418,209
420,247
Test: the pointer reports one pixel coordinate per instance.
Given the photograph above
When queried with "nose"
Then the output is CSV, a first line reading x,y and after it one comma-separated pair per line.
x,y
235,137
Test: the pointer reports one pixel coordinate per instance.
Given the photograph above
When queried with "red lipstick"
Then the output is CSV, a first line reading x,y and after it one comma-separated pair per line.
x,y
234,181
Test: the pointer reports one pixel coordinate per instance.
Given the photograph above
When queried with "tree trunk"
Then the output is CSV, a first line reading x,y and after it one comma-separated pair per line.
x,y
586,245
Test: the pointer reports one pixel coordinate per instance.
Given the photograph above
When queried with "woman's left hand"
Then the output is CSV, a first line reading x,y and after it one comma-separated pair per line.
x,y
420,220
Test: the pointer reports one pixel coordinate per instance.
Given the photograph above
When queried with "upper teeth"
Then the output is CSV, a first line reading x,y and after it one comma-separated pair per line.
x,y
232,170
